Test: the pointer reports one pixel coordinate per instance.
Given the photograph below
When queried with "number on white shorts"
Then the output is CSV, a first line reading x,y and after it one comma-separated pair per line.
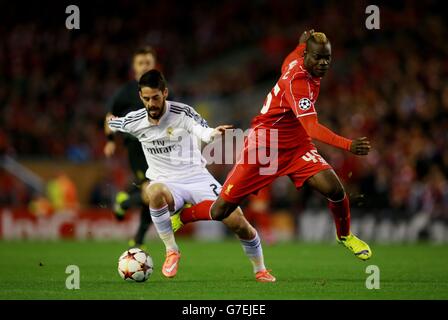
x,y
214,187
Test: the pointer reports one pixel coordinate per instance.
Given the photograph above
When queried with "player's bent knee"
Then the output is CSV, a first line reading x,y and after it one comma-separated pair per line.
x,y
155,192
337,193
222,209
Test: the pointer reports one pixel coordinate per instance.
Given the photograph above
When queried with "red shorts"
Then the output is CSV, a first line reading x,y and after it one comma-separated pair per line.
x,y
245,179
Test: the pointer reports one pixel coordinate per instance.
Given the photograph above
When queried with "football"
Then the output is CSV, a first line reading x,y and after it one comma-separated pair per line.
x,y
135,265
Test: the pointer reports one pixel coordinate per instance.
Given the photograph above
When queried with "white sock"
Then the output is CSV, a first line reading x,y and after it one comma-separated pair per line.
x,y
162,222
254,252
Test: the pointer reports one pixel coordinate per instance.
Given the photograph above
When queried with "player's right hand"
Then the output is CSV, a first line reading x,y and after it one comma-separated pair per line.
x,y
306,35
109,148
360,146
220,130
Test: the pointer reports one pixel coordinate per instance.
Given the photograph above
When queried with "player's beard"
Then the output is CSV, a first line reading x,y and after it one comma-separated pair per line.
x,y
156,115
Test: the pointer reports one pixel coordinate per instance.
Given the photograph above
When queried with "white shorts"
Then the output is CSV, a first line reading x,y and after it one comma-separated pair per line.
x,y
192,190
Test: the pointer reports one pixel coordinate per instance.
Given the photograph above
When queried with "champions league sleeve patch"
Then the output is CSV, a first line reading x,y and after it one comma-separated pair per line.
x,y
304,104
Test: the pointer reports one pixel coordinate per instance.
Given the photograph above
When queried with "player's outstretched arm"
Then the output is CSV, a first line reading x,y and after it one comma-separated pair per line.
x,y
360,146
319,132
303,107
315,130
199,127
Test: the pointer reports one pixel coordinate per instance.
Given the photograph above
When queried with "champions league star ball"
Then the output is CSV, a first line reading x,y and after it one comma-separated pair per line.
x,y
304,104
135,265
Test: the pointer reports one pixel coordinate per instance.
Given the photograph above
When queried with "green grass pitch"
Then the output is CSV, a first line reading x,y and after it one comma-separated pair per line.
x,y
220,270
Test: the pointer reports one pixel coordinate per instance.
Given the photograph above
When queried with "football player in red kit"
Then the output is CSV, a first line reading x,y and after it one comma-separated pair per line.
x,y
289,110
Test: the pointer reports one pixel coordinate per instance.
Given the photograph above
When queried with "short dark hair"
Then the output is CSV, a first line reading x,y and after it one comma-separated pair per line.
x,y
145,50
153,79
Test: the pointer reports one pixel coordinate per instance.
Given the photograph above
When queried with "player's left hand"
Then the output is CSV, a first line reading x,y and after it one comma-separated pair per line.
x,y
219,130
360,146
305,35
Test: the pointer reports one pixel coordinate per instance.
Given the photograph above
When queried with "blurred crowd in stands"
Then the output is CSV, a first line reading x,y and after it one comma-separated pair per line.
x,y
390,85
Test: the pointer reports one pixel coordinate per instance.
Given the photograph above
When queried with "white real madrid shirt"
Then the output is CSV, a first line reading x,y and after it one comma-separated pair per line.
x,y
170,147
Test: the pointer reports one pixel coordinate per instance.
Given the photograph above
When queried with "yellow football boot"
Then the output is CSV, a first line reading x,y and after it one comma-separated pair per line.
x,y
176,222
357,246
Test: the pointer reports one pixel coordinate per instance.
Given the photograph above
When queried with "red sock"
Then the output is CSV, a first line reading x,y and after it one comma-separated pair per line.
x,y
341,214
200,211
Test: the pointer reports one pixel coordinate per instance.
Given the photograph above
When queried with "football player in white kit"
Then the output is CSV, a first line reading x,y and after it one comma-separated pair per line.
x,y
169,133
